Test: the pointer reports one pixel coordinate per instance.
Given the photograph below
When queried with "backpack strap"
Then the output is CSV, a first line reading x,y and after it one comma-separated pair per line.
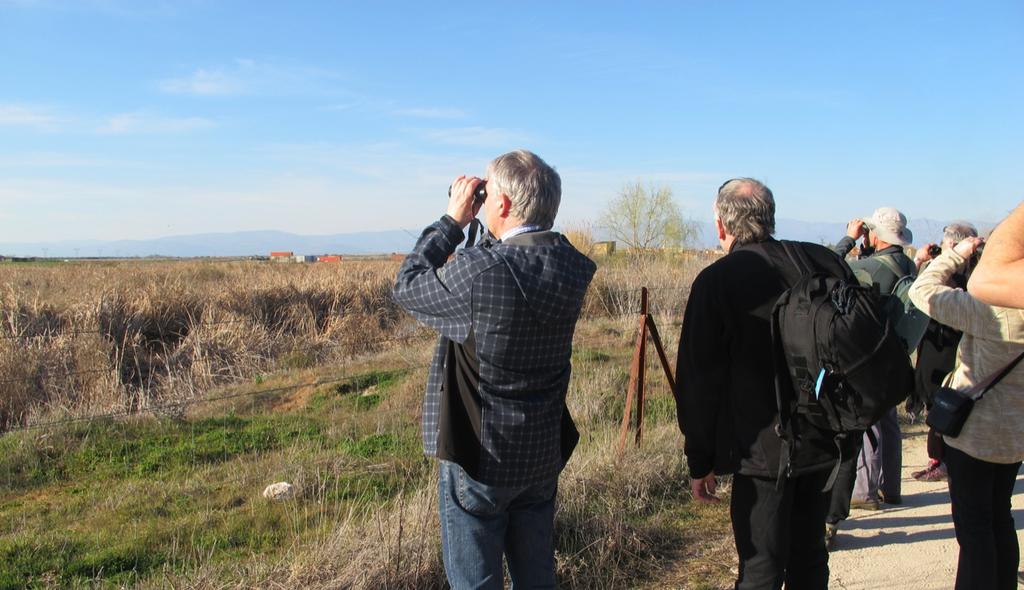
x,y
838,439
798,257
889,262
784,429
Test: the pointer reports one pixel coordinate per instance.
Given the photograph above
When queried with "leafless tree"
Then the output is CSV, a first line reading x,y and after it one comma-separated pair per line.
x,y
647,218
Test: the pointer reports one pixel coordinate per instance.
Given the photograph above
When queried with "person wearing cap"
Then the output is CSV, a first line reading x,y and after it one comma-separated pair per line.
x,y
872,476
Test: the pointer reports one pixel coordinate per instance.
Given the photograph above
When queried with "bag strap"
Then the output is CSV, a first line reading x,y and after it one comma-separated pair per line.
x,y
798,257
834,474
475,228
784,429
987,384
889,261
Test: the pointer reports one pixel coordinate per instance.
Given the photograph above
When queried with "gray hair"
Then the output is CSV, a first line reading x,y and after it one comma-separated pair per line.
x,y
957,232
533,187
746,208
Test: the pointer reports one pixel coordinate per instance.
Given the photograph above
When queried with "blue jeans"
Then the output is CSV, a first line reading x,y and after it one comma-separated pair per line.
x,y
479,523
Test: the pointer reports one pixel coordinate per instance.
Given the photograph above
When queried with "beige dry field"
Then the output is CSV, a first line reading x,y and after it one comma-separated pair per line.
x,y
147,404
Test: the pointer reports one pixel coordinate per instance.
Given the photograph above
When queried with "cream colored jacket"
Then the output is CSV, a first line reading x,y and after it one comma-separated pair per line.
x,y
993,336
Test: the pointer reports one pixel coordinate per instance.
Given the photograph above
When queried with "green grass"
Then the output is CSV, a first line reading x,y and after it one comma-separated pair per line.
x,y
107,449
362,392
590,355
117,503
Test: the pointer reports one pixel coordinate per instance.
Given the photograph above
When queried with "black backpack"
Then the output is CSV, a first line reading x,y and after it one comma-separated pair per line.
x,y
839,363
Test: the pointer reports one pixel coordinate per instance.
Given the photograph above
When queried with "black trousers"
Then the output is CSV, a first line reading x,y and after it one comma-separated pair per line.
x,y
780,533
935,445
842,490
980,493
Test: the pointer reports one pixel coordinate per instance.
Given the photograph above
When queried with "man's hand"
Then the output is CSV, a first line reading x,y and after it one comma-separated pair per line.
x,y
461,205
923,255
855,228
704,489
968,247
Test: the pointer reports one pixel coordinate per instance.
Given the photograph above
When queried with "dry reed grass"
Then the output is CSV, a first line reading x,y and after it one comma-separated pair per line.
x,y
90,338
615,290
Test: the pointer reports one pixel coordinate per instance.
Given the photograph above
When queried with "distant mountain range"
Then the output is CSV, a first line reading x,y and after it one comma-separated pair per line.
x,y
251,243
924,230
244,243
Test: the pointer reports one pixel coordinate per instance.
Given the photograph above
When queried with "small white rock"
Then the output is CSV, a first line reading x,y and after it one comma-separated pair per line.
x,y
281,490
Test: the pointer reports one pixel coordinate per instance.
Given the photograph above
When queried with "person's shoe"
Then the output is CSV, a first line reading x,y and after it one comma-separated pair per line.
x,y
887,499
865,504
920,474
939,473
831,530
925,473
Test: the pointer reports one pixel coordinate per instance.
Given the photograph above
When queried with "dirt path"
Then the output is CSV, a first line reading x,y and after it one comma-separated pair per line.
x,y
906,546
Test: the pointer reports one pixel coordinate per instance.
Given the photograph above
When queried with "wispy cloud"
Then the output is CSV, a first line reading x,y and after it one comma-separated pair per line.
x,y
432,113
374,162
475,136
340,106
16,115
52,160
116,8
202,83
20,3
247,76
145,123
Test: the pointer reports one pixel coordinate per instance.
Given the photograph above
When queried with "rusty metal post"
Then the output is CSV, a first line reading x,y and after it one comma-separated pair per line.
x,y
661,355
641,374
636,377
637,372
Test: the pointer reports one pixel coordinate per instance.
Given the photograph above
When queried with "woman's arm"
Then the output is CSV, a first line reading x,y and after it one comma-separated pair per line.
x,y
999,277
933,294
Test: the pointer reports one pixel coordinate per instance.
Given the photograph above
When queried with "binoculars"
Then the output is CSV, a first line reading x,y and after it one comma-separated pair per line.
x,y
479,194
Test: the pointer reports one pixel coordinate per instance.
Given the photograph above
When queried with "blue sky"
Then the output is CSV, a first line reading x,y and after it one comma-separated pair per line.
x,y
133,119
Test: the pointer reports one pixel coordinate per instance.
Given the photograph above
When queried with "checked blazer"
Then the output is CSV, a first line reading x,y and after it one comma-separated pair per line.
x,y
520,300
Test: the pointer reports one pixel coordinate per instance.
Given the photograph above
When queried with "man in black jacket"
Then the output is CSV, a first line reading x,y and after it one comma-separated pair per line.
x,y
727,405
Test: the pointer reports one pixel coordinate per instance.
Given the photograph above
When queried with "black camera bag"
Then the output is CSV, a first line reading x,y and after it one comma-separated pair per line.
x,y
950,408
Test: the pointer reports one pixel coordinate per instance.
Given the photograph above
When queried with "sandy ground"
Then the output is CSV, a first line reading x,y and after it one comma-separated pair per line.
x,y
907,546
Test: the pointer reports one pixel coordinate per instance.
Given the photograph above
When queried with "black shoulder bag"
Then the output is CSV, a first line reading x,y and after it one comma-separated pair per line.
x,y
950,408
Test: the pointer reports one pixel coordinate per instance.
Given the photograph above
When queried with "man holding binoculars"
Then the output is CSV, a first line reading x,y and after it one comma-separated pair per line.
x,y
494,410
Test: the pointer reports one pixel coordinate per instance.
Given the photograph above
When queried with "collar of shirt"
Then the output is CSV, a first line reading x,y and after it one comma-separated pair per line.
x,y
522,229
